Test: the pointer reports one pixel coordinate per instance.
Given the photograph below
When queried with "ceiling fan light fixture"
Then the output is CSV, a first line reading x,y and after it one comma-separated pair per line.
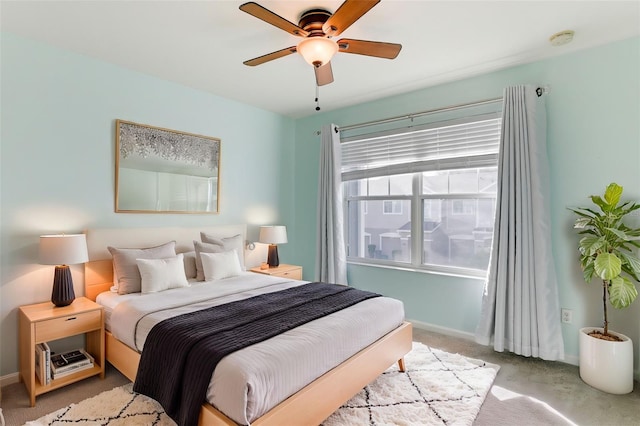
x,y
317,51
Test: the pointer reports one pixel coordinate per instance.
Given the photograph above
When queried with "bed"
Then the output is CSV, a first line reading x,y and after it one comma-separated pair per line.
x,y
326,380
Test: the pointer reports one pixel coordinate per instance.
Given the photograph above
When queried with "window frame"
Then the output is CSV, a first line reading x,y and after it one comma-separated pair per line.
x,y
416,205
417,213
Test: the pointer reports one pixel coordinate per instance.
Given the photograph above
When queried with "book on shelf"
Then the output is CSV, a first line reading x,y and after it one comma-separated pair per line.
x,y
70,361
77,368
41,364
42,361
47,367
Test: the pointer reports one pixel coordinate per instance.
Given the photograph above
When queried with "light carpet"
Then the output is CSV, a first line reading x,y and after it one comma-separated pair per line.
x,y
438,388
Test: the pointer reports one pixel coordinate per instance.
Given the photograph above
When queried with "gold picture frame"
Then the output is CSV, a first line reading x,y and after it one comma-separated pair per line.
x,y
161,170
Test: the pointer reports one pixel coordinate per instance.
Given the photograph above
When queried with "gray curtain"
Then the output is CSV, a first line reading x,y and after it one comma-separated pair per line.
x,y
331,260
520,308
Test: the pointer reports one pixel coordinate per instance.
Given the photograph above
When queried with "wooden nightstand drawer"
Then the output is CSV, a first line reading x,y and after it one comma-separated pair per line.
x,y
291,272
295,274
58,328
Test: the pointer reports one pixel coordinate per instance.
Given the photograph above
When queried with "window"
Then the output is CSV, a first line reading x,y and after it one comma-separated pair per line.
x,y
423,197
462,207
391,207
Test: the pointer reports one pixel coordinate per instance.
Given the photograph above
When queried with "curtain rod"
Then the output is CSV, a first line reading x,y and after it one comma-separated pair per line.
x,y
539,91
419,114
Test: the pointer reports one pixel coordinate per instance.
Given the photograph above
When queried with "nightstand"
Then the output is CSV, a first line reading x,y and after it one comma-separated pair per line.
x,y
285,271
44,322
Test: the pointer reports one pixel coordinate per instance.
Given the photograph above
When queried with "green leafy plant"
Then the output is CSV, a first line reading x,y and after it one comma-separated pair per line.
x,y
606,248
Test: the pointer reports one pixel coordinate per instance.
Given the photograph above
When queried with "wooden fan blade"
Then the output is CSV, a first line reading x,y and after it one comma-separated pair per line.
x,y
369,48
268,16
324,74
270,56
348,13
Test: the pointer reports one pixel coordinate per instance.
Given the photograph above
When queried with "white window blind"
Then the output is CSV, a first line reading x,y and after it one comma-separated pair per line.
x,y
465,143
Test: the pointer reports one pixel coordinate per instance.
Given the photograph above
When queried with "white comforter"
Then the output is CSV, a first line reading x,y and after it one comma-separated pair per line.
x,y
248,383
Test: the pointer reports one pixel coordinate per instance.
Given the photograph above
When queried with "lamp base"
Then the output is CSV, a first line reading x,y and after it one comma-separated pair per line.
x,y
272,257
62,294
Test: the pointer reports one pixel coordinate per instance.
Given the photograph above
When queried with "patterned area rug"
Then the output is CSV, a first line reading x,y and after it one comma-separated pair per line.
x,y
438,388
118,407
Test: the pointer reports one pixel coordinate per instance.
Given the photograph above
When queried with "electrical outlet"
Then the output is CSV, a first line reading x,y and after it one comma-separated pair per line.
x,y
567,315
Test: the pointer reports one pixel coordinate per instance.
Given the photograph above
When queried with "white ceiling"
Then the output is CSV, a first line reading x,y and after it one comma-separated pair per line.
x,y
202,44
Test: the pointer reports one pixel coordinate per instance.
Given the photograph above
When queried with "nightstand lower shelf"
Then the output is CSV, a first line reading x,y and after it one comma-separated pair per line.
x,y
39,388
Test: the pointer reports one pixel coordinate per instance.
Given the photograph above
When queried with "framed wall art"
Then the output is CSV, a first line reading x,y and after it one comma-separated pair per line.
x,y
165,171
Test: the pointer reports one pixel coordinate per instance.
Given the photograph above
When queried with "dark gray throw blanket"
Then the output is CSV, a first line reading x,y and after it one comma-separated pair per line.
x,y
181,353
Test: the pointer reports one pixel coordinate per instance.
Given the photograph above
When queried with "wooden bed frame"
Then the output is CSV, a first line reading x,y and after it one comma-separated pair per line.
x,y
309,406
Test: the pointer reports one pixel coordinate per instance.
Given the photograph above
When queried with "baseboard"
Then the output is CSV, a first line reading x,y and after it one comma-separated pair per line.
x,y
568,359
9,379
442,330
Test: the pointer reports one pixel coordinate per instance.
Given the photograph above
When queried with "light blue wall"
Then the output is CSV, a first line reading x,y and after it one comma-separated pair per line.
x,y
58,154
593,139
57,174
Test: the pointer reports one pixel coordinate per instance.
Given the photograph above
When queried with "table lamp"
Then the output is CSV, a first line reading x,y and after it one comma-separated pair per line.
x,y
62,251
273,235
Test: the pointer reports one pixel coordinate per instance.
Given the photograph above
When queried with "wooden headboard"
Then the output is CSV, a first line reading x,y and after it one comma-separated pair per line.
x,y
98,272
98,277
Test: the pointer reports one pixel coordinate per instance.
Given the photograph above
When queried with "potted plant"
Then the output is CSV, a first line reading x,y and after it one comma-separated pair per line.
x,y
606,251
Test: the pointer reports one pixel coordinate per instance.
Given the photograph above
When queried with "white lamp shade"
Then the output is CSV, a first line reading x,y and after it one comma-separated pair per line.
x,y
317,51
63,249
273,234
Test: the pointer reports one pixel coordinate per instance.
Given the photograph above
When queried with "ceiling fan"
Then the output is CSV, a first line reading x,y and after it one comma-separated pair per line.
x,y
317,27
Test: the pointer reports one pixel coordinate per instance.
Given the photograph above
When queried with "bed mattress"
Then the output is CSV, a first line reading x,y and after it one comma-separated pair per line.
x,y
250,382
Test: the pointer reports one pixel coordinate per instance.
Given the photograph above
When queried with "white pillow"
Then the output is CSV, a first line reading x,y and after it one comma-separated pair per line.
x,y
204,248
220,265
229,243
162,274
126,273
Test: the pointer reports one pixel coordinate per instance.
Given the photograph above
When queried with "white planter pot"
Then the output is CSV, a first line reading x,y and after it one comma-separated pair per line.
x,y
606,365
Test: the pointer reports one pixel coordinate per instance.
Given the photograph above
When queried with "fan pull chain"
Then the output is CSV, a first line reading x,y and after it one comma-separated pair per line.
x,y
317,98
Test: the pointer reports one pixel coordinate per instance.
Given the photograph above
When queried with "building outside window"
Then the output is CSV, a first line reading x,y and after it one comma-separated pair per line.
x,y
429,195
391,207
